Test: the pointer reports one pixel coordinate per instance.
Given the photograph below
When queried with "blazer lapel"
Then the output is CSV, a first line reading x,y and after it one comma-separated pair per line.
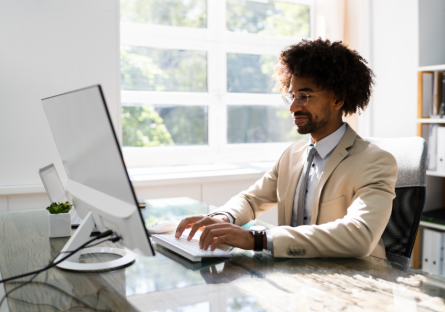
x,y
298,159
336,158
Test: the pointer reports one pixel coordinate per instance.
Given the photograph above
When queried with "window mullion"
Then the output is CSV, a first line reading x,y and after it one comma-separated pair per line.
x,y
164,97
222,79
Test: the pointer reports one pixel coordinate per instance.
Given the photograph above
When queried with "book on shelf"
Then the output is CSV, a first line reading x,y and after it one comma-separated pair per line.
x,y
443,88
427,94
433,95
442,107
437,92
434,135
432,148
440,167
426,132
432,258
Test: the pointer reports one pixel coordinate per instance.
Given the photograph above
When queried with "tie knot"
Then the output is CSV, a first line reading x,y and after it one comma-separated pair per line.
x,y
312,150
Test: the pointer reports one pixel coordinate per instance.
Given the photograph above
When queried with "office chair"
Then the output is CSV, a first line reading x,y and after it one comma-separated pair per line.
x,y
400,233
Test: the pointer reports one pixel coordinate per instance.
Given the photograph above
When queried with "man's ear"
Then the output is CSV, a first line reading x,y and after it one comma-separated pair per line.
x,y
339,102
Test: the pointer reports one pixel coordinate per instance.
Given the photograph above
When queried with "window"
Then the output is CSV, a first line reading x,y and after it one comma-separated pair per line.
x,y
196,79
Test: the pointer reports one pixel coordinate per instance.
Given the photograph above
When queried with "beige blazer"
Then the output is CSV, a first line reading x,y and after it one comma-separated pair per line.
x,y
351,208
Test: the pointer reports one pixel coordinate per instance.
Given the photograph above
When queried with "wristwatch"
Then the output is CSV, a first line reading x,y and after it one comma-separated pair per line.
x,y
258,232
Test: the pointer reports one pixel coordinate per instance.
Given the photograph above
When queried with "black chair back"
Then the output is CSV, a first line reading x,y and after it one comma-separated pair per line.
x,y
400,233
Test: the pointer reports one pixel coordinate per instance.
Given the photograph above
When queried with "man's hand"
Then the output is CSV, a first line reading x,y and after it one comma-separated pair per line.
x,y
198,222
226,233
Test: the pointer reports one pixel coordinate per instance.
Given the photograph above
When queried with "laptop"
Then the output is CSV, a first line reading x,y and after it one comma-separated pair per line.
x,y
55,190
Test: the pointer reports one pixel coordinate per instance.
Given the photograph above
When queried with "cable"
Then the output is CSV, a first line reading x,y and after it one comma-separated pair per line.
x,y
6,294
53,264
49,265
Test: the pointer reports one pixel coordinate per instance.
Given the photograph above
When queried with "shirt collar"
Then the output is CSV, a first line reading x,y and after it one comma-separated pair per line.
x,y
327,144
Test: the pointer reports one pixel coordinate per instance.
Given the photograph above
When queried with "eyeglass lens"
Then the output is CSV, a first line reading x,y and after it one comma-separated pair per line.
x,y
302,98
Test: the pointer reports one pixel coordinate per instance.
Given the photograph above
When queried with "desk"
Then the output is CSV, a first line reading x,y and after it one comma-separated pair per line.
x,y
247,282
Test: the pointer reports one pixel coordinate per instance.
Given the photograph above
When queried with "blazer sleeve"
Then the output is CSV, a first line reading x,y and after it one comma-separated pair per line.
x,y
259,198
356,234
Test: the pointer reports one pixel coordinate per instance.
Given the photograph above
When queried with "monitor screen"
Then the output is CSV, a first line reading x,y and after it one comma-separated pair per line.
x,y
87,143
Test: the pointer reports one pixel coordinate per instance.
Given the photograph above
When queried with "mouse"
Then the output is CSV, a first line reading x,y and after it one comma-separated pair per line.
x,y
162,227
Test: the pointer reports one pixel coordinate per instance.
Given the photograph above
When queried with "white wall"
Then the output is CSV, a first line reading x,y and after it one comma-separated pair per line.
x,y
49,47
394,59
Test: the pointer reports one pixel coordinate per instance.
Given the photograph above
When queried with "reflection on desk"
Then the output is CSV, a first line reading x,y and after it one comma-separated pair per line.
x,y
258,282
247,282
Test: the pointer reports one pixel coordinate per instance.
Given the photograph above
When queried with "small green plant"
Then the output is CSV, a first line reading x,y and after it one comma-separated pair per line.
x,y
56,208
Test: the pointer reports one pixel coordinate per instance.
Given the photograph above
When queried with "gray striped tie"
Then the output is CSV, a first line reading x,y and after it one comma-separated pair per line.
x,y
303,187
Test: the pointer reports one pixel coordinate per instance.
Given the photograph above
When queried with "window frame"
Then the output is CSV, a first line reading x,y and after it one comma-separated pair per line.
x,y
217,42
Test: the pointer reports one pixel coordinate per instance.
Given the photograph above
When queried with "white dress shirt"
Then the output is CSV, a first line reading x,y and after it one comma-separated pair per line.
x,y
324,148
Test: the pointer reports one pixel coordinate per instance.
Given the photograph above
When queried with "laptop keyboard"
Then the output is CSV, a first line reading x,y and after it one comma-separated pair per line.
x,y
191,247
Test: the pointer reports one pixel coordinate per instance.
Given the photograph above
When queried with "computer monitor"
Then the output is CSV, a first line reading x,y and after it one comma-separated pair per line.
x,y
98,181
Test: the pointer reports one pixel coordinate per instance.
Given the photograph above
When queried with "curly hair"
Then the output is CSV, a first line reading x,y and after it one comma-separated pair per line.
x,y
332,66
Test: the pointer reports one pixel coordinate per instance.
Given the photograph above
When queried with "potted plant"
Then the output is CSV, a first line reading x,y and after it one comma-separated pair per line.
x,y
59,219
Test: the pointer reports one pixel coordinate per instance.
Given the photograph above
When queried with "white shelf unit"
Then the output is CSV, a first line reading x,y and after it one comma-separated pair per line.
x,y
432,68
431,120
432,225
435,174
421,121
431,48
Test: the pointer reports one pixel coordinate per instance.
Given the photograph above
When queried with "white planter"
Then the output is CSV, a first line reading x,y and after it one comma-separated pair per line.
x,y
59,225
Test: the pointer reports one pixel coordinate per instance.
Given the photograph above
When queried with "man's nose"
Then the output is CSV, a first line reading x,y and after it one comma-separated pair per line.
x,y
295,106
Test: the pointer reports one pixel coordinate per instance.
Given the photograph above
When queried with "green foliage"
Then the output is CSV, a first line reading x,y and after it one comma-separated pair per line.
x,y
260,124
273,18
160,125
142,126
250,73
56,208
150,69
182,13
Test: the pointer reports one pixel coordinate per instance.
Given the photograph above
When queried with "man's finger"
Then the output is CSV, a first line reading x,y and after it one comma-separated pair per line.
x,y
212,227
204,222
218,241
185,223
208,239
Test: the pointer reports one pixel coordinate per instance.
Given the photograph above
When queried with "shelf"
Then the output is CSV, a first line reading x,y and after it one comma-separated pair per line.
x,y
432,68
431,120
435,174
432,225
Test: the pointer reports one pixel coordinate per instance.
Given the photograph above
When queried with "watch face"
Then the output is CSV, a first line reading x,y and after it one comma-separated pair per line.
x,y
257,228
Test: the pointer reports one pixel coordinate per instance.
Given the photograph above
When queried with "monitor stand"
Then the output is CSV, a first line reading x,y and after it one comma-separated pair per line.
x,y
80,237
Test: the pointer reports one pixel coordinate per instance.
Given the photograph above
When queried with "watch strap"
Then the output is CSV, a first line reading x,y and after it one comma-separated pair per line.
x,y
258,240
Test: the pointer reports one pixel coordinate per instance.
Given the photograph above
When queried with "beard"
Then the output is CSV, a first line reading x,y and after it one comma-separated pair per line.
x,y
313,124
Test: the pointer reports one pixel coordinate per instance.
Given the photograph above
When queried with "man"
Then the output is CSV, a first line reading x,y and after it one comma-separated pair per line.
x,y
334,194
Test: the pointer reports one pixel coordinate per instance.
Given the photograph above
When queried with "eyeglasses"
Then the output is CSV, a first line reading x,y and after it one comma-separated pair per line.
x,y
302,98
